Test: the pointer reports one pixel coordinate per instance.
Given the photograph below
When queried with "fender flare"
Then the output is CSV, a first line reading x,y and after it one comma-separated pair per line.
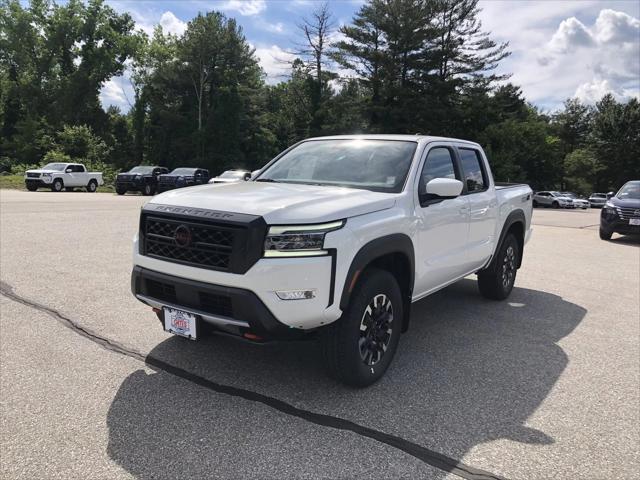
x,y
516,216
394,243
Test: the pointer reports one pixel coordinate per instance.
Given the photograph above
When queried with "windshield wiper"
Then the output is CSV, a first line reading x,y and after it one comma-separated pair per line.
x,y
270,180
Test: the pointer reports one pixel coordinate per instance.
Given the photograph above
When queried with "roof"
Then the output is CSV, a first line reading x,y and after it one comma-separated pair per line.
x,y
403,137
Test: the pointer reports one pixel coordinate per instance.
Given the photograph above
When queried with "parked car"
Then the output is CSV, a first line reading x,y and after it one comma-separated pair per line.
x,y
578,202
182,177
334,238
231,176
621,212
552,199
139,179
59,176
597,200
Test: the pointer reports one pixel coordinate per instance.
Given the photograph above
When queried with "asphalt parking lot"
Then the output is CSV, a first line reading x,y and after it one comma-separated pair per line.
x,y
544,385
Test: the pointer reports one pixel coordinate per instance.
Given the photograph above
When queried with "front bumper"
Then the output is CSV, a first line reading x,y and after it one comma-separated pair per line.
x,y
614,224
262,281
128,185
37,182
230,310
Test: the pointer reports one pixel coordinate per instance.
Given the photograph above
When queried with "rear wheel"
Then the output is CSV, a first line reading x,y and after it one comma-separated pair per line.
x,y
359,347
57,185
496,282
92,186
147,190
605,234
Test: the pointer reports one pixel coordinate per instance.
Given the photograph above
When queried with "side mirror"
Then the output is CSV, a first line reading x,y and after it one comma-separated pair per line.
x,y
247,176
68,170
442,189
610,194
253,174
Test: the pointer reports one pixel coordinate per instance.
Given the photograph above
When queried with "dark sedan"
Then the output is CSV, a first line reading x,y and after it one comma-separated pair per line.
x,y
621,212
182,177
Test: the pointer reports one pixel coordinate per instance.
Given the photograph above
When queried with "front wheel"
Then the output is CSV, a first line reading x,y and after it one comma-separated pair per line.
x,y
32,188
92,186
57,185
604,234
359,347
555,205
535,204
496,282
147,190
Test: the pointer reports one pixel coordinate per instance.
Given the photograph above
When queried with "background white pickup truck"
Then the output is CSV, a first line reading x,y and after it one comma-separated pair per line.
x,y
58,176
336,237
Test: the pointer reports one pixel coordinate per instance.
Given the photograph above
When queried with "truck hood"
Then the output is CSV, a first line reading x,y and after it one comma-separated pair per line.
x,y
280,203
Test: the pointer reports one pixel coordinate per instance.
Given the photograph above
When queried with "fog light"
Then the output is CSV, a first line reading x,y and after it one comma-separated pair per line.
x,y
296,294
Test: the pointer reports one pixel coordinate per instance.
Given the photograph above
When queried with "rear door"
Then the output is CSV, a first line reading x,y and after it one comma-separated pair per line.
x,y
483,206
442,226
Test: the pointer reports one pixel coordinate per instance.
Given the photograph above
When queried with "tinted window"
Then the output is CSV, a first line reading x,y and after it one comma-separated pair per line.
x,y
77,168
439,164
472,166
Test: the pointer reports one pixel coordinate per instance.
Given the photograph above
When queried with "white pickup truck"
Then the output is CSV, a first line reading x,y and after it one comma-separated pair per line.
x,y
336,237
59,176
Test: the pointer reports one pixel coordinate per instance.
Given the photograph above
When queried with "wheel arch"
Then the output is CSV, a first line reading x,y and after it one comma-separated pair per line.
x,y
393,253
515,224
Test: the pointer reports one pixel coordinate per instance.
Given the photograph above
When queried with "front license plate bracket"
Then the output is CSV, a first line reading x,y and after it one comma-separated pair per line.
x,y
180,323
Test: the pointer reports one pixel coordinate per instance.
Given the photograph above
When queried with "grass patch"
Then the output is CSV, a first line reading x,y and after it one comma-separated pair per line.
x,y
12,181
16,182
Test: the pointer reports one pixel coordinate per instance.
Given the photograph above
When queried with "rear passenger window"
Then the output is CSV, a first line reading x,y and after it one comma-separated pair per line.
x,y
474,177
439,164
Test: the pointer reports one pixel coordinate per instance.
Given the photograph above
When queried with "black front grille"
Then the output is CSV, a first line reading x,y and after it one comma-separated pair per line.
x,y
33,175
202,245
628,212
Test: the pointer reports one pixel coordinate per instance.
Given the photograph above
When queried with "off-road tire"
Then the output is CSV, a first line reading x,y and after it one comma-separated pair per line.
x,y
496,282
344,340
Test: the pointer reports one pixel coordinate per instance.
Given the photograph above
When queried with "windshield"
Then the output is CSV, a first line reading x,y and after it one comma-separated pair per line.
x,y
557,194
58,167
630,191
183,171
233,174
569,194
379,165
142,170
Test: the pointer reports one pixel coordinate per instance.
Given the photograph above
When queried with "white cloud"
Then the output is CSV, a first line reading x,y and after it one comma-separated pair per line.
x,y
275,62
571,48
244,7
118,92
172,24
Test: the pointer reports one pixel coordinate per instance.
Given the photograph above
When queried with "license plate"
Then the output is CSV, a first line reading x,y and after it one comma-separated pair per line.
x,y
634,221
180,323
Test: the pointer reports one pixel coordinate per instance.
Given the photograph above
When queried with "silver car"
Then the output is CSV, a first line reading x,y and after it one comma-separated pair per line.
x,y
552,199
578,202
597,200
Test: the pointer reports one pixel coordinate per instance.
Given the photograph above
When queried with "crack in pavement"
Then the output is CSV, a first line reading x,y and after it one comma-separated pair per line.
x,y
430,457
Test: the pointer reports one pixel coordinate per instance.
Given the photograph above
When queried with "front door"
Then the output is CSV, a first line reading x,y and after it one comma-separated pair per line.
x,y
443,226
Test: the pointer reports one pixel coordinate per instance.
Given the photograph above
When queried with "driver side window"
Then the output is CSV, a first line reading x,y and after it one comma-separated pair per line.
x,y
439,164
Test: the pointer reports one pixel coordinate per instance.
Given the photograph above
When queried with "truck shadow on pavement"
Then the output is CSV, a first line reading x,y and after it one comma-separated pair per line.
x,y
468,371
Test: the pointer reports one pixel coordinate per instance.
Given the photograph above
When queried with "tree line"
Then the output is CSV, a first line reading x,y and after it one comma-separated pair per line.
x,y
200,99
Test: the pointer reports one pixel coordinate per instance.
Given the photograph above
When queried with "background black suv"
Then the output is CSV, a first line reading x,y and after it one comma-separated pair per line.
x,y
182,177
621,213
139,179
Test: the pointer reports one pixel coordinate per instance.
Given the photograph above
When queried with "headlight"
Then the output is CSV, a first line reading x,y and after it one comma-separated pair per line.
x,y
610,208
298,240
47,175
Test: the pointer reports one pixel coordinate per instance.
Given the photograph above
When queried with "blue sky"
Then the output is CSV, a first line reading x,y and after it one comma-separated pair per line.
x,y
561,49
